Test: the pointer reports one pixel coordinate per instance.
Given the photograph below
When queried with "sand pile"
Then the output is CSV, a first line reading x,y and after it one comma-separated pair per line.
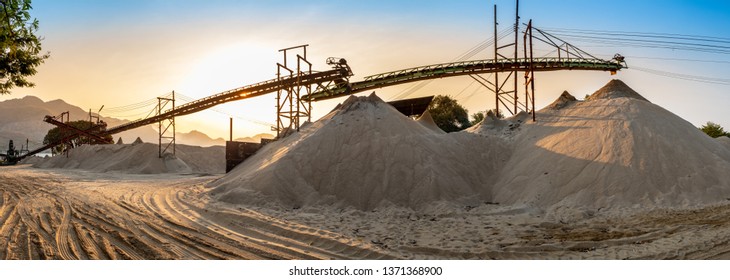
x,y
504,129
565,99
426,120
140,158
615,89
614,150
366,154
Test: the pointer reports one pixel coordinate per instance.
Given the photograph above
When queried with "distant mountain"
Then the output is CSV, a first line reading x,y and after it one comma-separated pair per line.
x,y
256,138
197,138
22,118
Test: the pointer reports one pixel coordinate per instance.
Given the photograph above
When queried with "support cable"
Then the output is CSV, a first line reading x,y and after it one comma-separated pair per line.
x,y
467,55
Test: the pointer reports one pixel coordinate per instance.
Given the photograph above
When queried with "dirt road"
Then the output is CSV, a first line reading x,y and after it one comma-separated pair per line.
x,y
78,215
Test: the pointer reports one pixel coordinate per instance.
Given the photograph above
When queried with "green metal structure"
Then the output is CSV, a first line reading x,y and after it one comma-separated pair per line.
x,y
464,68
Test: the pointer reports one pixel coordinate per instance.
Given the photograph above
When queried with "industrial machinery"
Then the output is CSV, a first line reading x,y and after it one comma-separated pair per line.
x,y
11,156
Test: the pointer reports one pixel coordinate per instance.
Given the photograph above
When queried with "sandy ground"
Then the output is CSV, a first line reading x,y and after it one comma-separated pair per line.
x,y
71,214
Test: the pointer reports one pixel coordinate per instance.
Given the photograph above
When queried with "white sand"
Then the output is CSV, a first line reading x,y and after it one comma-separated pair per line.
x,y
366,154
426,120
614,150
140,158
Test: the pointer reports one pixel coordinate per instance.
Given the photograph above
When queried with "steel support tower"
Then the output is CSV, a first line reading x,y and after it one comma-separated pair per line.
x,y
290,108
164,125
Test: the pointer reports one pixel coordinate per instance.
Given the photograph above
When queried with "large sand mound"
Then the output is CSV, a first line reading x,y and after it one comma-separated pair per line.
x,y
140,158
614,150
366,154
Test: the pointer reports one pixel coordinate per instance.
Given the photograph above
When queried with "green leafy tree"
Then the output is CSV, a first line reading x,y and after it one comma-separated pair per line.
x,y
448,114
714,130
20,48
55,134
477,117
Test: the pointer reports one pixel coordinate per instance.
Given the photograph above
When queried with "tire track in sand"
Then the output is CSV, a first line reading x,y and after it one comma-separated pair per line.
x,y
62,240
91,248
267,233
9,217
42,239
253,250
20,247
111,236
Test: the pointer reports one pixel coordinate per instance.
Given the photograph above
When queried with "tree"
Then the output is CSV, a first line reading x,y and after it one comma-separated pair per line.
x,y
20,48
55,134
478,117
448,114
714,130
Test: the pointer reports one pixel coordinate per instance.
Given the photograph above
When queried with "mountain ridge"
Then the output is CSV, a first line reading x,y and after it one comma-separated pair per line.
x,y
22,118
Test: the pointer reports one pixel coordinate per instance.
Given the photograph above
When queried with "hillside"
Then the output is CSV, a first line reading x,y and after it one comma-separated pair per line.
x,y
22,118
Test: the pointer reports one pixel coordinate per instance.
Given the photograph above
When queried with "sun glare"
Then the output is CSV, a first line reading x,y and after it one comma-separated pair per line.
x,y
228,67
224,68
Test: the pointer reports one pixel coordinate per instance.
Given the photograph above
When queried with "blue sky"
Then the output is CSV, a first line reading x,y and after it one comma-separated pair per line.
x,y
115,53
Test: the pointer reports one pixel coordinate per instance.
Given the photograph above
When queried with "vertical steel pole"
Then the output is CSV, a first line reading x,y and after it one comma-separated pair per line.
x,y
173,125
159,126
285,58
496,74
527,72
517,31
230,137
88,139
278,102
299,77
532,75
309,92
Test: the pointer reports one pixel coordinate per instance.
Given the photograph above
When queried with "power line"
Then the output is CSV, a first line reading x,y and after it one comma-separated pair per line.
x,y
135,106
465,56
694,78
717,45
673,41
674,36
465,88
220,111
681,59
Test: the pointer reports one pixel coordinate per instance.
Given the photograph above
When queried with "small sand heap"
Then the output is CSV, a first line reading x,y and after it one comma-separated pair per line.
x,y
565,99
426,120
502,128
137,141
139,159
120,142
615,89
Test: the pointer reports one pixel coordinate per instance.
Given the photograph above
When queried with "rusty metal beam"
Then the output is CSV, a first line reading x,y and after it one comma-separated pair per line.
x,y
235,94
88,133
